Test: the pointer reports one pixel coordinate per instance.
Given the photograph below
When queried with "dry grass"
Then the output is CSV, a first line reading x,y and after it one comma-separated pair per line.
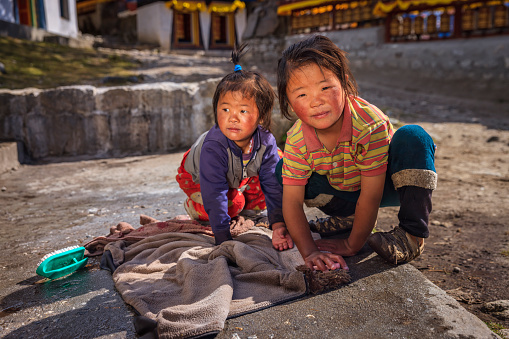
x,y
48,65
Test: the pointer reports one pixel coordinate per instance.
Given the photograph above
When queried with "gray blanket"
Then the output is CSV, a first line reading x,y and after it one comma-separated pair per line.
x,y
190,287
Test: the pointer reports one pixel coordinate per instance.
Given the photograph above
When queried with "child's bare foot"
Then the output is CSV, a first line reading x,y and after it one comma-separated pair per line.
x,y
281,239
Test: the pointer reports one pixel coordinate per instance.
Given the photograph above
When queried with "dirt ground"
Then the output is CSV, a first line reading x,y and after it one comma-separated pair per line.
x,y
467,253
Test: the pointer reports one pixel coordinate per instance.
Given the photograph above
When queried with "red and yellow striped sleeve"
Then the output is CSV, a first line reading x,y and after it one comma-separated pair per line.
x,y
296,169
372,133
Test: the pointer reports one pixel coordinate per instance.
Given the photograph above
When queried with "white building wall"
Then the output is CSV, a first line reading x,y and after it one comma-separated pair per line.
x,y
58,25
165,30
240,23
205,19
155,21
154,24
7,10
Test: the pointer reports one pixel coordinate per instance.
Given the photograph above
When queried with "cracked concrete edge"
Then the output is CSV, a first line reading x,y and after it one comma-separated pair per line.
x,y
437,311
382,301
461,323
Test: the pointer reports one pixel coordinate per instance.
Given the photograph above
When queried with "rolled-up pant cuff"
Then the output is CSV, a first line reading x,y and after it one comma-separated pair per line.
x,y
415,177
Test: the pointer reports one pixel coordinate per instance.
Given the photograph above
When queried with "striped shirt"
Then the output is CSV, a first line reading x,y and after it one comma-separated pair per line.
x,y
362,149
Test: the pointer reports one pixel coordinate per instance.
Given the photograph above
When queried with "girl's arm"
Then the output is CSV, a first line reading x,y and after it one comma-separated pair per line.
x,y
298,226
214,188
269,184
366,212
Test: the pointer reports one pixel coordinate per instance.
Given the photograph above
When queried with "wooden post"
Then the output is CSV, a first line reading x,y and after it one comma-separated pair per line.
x,y
458,18
388,27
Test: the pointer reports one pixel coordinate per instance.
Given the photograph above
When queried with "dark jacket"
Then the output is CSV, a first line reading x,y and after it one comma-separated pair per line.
x,y
215,162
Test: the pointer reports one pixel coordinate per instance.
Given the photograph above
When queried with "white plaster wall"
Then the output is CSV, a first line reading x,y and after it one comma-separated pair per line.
x,y
240,23
165,29
7,10
58,25
205,19
154,24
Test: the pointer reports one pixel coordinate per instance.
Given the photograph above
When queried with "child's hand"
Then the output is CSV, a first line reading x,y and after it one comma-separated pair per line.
x,y
281,239
325,261
336,246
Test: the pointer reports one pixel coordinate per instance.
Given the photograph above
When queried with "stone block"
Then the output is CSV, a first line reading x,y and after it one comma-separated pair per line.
x,y
8,156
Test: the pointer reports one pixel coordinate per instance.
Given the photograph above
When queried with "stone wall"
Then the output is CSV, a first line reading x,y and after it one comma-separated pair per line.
x,y
84,121
88,122
470,68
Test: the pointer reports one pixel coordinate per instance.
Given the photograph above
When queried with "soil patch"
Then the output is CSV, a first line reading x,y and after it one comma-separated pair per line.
x,y
467,253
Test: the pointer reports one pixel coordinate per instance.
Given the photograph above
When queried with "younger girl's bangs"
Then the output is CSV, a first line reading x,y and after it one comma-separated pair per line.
x,y
243,85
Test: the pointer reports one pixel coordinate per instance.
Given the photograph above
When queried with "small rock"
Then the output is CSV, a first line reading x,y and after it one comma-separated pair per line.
x,y
496,306
4,189
498,309
493,138
456,270
445,224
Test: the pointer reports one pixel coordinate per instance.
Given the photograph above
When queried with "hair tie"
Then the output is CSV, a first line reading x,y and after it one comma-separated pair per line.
x,y
237,68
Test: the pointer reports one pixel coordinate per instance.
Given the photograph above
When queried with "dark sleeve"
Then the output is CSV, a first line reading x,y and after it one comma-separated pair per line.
x,y
214,187
271,188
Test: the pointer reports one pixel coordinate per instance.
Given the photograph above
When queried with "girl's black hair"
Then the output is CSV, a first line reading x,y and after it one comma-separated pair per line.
x,y
251,85
317,49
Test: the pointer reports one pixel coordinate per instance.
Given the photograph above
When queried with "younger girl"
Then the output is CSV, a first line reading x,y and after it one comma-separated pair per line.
x,y
344,157
231,167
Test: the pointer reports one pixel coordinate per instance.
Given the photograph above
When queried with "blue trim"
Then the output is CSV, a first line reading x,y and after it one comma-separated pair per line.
x,y
41,14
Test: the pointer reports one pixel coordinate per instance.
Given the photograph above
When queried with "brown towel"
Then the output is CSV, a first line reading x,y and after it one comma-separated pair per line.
x,y
190,287
150,226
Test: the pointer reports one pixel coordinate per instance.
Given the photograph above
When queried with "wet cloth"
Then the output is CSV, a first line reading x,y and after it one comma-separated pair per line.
x,y
185,286
150,226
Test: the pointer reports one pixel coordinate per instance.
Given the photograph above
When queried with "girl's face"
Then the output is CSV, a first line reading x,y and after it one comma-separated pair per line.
x,y
237,117
316,96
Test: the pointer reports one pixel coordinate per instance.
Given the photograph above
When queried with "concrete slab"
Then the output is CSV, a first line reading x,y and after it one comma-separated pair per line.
x,y
49,207
382,301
